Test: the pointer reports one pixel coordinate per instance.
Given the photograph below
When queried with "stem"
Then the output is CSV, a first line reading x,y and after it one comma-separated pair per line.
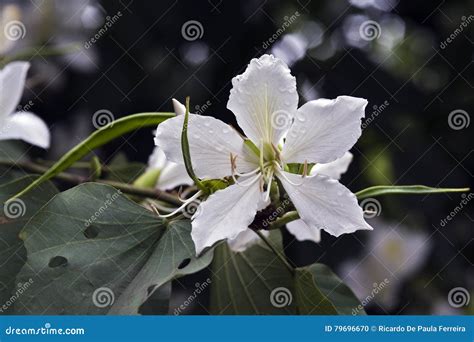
x,y
75,179
283,220
277,253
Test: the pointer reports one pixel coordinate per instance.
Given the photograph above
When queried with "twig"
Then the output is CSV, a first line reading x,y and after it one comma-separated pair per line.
x,y
75,179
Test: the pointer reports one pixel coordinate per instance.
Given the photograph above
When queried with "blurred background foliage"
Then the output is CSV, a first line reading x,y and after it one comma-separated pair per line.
x,y
412,77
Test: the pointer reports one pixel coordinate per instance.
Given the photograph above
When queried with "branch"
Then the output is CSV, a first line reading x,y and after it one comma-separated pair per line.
x,y
75,179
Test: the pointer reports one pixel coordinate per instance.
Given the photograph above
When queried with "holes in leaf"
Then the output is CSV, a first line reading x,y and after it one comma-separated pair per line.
x,y
91,232
57,261
184,263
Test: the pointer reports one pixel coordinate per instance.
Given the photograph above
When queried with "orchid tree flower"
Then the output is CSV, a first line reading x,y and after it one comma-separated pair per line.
x,y
264,100
394,252
19,125
170,174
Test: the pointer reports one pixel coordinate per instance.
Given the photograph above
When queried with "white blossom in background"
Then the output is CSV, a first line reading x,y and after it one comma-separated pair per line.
x,y
265,102
171,174
393,252
19,125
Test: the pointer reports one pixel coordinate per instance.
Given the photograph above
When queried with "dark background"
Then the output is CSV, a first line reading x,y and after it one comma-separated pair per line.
x,y
144,61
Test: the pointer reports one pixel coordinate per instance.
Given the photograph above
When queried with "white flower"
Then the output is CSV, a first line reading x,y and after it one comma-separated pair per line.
x,y
393,252
264,100
19,125
171,174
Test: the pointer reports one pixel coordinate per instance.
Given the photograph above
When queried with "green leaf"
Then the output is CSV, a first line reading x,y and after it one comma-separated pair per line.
x,y
173,257
91,240
251,282
11,152
404,190
13,217
100,137
320,292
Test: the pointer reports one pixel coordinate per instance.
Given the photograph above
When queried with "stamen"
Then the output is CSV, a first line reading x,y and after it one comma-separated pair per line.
x,y
305,168
249,183
248,173
286,178
196,195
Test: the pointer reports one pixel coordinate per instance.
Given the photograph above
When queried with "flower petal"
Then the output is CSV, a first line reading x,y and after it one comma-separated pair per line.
x,y
324,130
157,159
173,175
211,143
335,168
27,127
12,83
324,203
303,232
246,239
225,214
264,99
